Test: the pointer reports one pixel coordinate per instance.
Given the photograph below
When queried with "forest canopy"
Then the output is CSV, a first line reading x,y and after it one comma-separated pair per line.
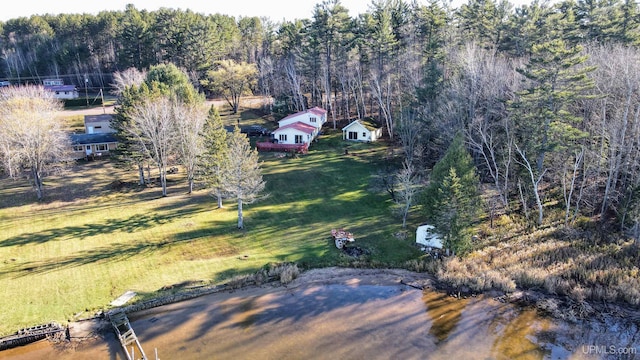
x,y
546,95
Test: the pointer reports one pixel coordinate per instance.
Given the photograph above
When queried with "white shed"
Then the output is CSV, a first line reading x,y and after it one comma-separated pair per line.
x,y
426,237
360,131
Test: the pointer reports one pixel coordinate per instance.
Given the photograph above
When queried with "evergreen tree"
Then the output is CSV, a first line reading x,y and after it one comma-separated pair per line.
x,y
129,151
544,122
214,159
558,79
452,200
242,177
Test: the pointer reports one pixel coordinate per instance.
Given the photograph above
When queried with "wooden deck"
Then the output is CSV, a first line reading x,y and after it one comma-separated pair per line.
x,y
268,146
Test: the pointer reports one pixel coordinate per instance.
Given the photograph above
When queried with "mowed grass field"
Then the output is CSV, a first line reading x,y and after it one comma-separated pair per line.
x,y
99,235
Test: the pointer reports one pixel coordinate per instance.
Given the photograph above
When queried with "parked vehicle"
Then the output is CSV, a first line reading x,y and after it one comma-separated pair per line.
x,y
255,130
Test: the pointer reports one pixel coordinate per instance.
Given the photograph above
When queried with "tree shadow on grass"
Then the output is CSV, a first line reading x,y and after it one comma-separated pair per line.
x,y
107,226
111,253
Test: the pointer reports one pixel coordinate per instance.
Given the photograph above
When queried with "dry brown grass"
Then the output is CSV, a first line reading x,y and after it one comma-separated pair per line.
x,y
577,264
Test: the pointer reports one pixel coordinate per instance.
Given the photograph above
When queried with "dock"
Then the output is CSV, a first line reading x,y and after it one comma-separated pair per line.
x,y
126,335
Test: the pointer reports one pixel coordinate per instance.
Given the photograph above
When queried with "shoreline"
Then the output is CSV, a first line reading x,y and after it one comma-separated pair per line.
x,y
98,328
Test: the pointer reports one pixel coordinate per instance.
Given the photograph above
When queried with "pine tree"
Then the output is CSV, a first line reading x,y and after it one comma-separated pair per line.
x,y
557,78
452,200
242,177
214,160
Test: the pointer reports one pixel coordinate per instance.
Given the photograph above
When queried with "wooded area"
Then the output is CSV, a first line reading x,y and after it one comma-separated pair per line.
x,y
546,96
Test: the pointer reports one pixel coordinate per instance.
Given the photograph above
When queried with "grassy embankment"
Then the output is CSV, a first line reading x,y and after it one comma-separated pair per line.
x,y
98,234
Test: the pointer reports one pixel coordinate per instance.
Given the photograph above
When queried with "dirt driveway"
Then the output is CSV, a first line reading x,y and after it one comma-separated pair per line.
x,y
246,102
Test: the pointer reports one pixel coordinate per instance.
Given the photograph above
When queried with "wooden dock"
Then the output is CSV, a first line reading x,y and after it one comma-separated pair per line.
x,y
126,335
29,335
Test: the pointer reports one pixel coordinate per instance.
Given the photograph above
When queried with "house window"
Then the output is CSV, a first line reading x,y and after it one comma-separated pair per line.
x,y
353,135
298,139
101,147
364,134
78,148
282,137
98,127
312,119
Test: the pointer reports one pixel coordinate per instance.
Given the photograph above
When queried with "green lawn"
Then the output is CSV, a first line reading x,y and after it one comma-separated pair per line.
x,y
99,235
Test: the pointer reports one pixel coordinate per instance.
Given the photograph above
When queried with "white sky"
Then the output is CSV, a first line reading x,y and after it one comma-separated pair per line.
x,y
276,10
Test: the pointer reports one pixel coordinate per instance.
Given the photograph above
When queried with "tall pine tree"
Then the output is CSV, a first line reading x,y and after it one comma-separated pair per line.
x,y
452,200
214,160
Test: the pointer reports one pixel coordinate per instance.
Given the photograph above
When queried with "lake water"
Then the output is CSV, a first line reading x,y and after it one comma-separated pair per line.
x,y
353,319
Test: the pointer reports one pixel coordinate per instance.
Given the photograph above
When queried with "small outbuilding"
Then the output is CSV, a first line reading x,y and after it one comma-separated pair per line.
x,y
98,124
428,238
360,130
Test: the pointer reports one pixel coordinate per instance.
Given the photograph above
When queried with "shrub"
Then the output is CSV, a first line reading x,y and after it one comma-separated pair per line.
x,y
286,272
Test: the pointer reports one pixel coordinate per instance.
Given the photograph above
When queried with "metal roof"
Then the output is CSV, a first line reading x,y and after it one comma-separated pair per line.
x,y
87,139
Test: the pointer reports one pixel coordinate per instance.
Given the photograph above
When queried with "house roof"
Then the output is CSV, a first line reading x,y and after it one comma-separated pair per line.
x,y
361,123
87,139
318,111
315,110
60,87
298,125
97,118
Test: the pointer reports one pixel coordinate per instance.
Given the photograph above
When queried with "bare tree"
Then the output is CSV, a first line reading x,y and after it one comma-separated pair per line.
x,y
153,124
265,76
242,178
189,121
31,136
615,120
535,180
409,131
407,182
569,189
128,77
381,88
293,80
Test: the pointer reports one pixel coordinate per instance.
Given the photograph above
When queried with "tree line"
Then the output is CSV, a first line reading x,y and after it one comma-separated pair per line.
x,y
544,96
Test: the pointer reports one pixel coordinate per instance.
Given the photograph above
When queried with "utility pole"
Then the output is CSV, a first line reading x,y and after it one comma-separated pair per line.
x,y
86,92
104,111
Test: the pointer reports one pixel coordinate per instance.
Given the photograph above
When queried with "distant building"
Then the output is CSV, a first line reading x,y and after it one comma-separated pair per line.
x,y
61,91
98,140
361,131
87,146
98,124
296,131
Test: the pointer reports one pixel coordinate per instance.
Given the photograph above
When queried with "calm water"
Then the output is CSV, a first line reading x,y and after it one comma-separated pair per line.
x,y
353,321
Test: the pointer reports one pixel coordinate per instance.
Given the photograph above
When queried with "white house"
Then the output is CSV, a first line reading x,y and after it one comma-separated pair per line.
x,y
315,117
60,91
426,237
295,133
360,131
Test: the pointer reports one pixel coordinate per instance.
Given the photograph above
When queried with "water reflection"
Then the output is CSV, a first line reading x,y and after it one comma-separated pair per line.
x,y
344,321
444,311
